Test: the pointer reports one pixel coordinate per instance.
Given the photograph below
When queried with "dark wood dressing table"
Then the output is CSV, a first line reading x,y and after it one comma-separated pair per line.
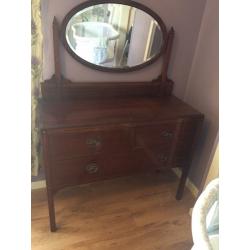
x,y
97,131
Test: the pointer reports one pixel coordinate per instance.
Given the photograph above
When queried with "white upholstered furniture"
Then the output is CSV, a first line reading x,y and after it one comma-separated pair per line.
x,y
205,218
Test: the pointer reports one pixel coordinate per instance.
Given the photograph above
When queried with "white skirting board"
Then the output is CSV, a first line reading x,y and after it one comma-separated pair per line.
x,y
189,184
38,184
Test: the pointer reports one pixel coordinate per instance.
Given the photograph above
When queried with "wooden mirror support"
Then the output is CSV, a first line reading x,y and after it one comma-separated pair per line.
x,y
93,131
58,87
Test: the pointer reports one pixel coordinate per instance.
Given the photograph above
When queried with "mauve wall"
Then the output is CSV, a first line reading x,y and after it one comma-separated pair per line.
x,y
203,87
185,16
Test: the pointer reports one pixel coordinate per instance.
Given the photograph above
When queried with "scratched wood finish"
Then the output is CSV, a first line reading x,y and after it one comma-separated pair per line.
x,y
135,213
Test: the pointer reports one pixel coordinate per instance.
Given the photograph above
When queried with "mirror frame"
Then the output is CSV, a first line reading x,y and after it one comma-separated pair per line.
x,y
89,3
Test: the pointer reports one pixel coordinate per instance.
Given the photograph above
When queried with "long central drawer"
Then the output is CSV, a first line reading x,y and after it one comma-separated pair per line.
x,y
71,143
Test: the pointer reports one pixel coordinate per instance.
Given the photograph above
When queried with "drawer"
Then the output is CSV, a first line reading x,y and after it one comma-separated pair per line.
x,y
161,154
76,171
68,144
158,155
155,134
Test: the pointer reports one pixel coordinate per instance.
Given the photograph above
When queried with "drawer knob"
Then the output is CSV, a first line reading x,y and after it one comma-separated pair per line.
x,y
91,168
162,157
93,142
167,134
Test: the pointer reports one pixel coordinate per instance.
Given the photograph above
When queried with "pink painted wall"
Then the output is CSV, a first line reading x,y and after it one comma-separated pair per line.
x,y
185,16
202,90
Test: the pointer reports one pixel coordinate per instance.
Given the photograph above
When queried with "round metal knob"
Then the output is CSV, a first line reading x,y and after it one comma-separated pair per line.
x,y
167,134
94,142
162,157
91,168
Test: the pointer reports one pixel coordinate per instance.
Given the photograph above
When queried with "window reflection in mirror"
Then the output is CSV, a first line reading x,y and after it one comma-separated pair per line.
x,y
114,35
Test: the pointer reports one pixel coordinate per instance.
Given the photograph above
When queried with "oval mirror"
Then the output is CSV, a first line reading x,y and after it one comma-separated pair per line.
x,y
113,35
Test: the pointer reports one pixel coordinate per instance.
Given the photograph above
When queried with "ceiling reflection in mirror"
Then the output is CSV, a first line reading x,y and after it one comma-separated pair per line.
x,y
114,35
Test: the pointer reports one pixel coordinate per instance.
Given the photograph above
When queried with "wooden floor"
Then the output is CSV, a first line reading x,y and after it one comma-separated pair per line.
x,y
129,213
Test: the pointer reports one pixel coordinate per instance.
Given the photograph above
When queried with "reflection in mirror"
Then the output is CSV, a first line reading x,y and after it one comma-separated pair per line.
x,y
114,35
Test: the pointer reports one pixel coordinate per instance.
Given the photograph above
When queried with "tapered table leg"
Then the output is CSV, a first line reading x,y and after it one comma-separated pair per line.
x,y
186,167
51,207
182,183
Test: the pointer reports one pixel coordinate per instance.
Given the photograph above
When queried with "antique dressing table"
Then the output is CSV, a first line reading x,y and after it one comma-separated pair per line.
x,y
100,130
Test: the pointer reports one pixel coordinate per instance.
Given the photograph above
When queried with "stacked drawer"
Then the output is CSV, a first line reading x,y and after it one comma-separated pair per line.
x,y
82,155
157,142
168,144
183,149
85,155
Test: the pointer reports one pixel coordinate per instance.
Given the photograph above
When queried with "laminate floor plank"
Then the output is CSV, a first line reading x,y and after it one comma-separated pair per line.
x,y
132,213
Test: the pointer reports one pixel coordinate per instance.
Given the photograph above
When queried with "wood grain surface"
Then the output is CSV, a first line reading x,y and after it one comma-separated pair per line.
x,y
129,213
